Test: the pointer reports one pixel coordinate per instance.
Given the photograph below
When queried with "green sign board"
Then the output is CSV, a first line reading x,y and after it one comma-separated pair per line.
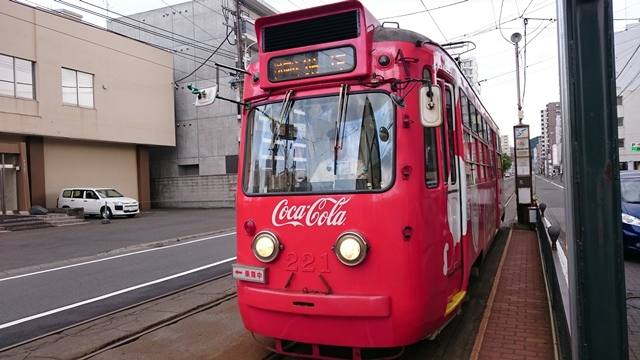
x,y
635,146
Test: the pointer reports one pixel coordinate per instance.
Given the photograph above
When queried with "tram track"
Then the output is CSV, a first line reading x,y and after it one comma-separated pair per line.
x,y
143,330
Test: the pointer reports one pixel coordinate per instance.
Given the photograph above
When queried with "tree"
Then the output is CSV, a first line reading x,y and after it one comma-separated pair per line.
x,y
506,162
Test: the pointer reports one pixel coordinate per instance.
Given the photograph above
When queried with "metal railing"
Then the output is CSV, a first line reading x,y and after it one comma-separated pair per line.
x,y
554,266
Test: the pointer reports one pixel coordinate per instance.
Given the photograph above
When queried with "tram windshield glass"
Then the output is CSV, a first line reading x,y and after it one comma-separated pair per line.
x,y
309,147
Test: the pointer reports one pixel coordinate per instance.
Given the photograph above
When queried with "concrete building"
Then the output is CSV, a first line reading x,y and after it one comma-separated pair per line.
x,y
79,106
551,134
201,171
505,144
469,68
628,101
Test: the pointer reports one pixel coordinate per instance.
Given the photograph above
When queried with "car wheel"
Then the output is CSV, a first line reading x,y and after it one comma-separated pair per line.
x,y
131,215
106,212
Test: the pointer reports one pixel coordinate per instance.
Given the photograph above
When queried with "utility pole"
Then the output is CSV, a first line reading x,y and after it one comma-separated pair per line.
x,y
239,50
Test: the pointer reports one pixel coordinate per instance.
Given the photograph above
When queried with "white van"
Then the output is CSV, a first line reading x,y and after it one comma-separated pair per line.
x,y
98,201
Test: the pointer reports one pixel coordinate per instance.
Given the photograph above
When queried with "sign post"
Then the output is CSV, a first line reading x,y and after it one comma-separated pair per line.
x,y
524,182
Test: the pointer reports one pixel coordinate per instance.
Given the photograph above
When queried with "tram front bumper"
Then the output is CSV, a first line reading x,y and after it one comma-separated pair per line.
x,y
315,304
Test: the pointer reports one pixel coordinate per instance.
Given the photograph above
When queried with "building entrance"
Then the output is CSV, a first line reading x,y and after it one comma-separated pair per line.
x,y
8,183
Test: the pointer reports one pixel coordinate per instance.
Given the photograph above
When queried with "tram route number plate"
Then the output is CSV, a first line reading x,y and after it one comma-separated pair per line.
x,y
249,273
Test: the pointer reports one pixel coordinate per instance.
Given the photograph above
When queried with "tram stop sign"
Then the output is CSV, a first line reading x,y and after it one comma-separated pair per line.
x,y
524,183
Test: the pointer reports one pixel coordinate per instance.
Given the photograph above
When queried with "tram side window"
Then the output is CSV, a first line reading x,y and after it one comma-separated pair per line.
x,y
464,103
467,157
481,175
451,136
474,159
431,157
472,115
426,74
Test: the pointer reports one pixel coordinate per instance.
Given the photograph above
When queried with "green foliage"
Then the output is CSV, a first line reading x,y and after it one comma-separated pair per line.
x,y
506,162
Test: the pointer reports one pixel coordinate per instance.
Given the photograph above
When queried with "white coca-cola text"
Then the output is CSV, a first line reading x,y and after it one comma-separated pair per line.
x,y
324,212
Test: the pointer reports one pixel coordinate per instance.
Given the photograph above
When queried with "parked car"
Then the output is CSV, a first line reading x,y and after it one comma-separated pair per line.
x,y
630,200
98,201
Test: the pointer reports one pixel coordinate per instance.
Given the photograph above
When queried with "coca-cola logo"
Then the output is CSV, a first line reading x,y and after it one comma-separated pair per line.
x,y
323,212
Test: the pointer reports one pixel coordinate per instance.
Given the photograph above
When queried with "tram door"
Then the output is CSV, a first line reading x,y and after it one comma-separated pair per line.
x,y
452,185
8,183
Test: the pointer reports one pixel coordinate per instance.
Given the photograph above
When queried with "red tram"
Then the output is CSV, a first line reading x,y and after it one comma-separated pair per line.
x,y
370,182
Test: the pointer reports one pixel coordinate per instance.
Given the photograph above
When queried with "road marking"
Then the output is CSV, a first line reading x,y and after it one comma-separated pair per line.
x,y
102,297
550,182
508,201
114,257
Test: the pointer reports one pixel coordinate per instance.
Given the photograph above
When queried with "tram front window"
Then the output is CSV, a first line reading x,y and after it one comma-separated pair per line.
x,y
314,150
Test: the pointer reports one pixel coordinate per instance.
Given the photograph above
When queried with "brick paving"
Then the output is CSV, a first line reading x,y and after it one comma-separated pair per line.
x,y
518,325
632,279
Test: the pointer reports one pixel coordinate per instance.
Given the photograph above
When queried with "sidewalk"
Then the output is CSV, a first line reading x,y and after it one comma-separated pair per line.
x,y
516,322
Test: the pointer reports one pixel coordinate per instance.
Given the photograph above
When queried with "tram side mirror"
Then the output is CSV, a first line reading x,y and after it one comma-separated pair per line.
x,y
431,106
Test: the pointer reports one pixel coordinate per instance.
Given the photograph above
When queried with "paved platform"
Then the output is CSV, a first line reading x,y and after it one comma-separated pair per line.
x,y
516,322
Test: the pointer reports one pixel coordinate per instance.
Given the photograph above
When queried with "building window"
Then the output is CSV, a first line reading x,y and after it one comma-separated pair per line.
x,y
77,88
621,143
619,100
16,77
621,121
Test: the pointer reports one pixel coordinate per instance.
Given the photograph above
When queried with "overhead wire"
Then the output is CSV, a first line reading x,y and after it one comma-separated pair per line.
x,y
434,21
209,58
215,51
169,36
189,20
421,11
88,41
500,22
144,42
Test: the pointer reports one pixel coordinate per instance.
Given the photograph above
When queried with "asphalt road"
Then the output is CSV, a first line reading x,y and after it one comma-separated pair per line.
x,y
38,247
134,260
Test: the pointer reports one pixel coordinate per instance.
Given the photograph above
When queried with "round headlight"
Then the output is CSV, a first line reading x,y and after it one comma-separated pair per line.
x,y
351,248
266,246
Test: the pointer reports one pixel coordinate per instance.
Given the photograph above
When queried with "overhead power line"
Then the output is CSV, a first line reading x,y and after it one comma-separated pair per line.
x,y
169,35
422,11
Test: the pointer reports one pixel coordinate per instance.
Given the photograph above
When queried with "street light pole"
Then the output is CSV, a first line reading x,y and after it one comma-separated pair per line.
x,y
522,139
516,38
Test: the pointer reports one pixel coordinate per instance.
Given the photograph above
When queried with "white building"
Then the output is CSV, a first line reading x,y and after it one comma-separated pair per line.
x,y
505,143
469,68
628,103
551,137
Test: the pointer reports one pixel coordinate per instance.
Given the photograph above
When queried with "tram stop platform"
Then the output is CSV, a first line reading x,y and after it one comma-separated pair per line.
x,y
517,321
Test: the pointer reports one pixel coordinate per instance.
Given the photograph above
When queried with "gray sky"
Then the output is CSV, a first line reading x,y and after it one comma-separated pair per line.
x,y
487,23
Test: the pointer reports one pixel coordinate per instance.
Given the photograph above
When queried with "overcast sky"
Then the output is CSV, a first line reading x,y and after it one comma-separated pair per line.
x,y
489,24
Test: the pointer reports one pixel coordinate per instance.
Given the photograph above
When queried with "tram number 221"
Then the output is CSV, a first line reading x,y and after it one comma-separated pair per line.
x,y
307,262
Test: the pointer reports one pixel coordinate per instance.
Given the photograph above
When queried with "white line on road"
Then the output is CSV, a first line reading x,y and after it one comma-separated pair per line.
x,y
550,182
114,257
36,316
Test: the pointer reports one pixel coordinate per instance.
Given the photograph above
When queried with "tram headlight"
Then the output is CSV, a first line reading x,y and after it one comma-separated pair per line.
x,y
351,248
266,246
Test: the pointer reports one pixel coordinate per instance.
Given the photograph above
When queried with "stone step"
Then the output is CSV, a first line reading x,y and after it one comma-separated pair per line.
x,y
26,222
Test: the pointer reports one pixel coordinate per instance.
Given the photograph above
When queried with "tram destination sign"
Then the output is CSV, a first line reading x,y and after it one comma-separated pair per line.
x,y
312,63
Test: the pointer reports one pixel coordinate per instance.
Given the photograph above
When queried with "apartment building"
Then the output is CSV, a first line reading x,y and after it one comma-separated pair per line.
x,y
551,138
628,101
79,106
469,68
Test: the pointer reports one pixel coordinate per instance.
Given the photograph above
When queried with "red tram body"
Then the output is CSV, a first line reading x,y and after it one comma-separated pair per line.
x,y
370,182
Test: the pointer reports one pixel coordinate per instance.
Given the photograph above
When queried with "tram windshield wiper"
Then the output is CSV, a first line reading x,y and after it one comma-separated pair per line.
x,y
343,99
